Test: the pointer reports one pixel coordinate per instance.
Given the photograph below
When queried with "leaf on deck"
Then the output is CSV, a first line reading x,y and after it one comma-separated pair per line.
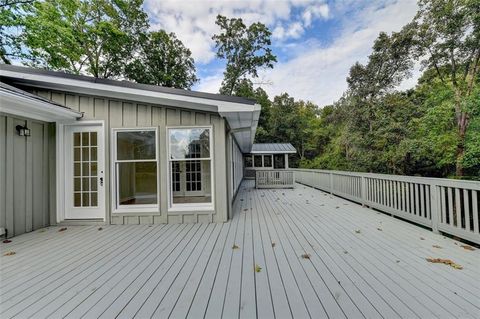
x,y
436,246
337,207
42,230
235,247
9,253
306,256
258,268
379,229
245,209
6,241
62,229
467,247
444,261
358,231
421,238
273,244
100,228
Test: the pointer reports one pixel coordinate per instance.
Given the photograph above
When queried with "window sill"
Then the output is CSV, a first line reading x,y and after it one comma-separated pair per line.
x,y
189,208
136,210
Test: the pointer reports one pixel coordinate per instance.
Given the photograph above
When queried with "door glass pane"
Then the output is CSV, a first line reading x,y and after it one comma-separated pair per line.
x,y
85,169
137,182
189,143
138,145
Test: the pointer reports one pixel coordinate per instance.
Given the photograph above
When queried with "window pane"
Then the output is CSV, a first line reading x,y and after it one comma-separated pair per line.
x,y
138,183
267,160
189,143
195,185
248,160
279,161
257,160
136,145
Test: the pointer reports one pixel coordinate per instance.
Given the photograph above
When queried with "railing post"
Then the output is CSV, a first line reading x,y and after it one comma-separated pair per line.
x,y
434,207
331,183
363,191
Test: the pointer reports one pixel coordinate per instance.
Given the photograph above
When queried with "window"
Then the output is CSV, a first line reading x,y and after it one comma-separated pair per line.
x,y
279,161
248,161
267,160
135,160
190,165
257,160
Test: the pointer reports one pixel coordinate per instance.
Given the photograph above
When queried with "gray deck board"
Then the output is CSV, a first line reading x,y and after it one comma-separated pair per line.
x,y
192,270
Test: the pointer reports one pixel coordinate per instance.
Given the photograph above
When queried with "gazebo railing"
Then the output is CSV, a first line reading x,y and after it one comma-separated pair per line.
x,y
274,179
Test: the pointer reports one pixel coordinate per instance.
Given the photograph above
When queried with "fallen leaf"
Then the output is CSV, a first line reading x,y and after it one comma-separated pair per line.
x,y
235,247
241,199
273,244
62,229
358,231
379,229
6,241
444,261
337,207
421,238
345,252
398,261
9,253
42,230
306,256
467,247
436,246
100,228
245,209
258,268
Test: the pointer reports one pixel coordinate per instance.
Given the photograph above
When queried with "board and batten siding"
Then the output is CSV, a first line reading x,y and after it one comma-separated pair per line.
x,y
129,114
26,165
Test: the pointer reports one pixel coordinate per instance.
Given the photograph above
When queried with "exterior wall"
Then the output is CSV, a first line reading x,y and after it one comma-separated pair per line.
x,y
25,175
128,114
237,169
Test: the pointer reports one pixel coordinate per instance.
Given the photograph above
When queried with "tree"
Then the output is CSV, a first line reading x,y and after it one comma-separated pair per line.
x,y
10,10
245,49
92,36
162,60
449,42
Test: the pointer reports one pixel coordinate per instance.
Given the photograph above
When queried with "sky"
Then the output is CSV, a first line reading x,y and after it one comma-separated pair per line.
x,y
315,41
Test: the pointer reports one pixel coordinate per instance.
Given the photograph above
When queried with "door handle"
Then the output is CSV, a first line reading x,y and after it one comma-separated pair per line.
x,y
101,181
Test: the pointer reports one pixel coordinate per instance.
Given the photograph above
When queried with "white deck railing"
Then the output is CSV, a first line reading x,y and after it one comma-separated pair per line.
x,y
447,205
274,179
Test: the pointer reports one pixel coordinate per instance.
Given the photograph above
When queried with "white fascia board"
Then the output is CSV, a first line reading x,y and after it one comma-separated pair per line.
x,y
126,93
20,105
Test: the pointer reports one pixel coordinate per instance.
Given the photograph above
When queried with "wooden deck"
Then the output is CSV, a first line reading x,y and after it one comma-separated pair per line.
x,y
361,264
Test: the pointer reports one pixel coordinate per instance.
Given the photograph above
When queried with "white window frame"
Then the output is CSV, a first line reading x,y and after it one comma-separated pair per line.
x,y
140,208
271,160
188,207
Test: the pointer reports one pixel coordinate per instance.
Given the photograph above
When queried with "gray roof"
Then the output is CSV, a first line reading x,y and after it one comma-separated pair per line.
x,y
127,84
279,148
18,91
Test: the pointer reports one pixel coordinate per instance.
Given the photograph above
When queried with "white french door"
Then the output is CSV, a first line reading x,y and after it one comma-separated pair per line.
x,y
84,172
187,178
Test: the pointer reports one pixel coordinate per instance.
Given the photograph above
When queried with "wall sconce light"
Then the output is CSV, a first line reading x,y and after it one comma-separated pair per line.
x,y
23,130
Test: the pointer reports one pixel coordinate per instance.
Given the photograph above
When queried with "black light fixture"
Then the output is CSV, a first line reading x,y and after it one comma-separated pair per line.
x,y
23,130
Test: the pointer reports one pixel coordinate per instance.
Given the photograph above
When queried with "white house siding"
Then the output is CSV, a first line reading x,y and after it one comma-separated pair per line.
x,y
25,175
129,114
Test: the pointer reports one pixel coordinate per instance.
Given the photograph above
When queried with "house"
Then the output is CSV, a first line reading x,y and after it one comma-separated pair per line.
x,y
267,156
78,150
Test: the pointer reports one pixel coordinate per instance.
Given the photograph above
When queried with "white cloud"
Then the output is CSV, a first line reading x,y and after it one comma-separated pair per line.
x,y
193,21
318,73
312,70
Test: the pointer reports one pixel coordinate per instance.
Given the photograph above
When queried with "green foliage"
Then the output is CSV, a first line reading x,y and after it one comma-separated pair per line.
x,y
96,36
163,60
245,49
